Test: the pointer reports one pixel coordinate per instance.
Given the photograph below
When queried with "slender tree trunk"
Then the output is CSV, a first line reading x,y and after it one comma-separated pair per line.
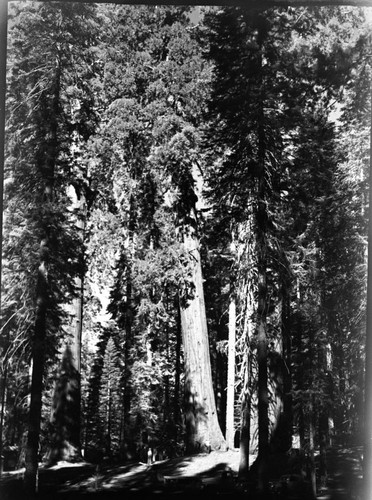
x,y
261,217
202,428
367,448
300,376
246,370
109,416
311,413
263,396
287,373
3,79
245,428
3,398
323,437
78,331
78,302
230,404
177,375
128,362
166,381
311,417
323,430
38,355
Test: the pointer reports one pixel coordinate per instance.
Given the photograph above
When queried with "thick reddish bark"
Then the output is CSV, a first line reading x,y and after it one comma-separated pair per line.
x,y
202,427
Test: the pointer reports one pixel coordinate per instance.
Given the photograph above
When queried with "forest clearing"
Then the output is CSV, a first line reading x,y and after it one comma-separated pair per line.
x,y
184,251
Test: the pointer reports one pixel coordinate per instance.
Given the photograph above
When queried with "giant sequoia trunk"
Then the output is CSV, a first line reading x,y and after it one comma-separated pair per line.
x,y
202,428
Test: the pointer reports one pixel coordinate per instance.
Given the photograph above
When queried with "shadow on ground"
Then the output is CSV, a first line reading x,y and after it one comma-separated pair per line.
x,y
175,477
193,476
345,480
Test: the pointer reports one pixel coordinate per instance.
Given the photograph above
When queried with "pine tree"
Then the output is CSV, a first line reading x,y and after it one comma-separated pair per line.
x,y
255,115
37,164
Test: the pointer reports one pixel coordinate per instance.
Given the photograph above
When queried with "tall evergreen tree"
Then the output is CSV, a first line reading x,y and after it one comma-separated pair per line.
x,y
37,165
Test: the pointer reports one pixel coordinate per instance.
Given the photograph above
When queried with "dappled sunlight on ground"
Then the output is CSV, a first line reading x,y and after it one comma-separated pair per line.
x,y
204,475
139,476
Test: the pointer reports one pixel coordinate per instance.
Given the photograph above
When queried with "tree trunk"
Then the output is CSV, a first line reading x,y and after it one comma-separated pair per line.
x,y
311,412
46,166
246,370
323,438
202,428
38,354
177,375
300,375
66,414
78,330
3,398
128,366
323,429
312,445
166,410
287,373
128,320
78,302
261,220
245,428
230,431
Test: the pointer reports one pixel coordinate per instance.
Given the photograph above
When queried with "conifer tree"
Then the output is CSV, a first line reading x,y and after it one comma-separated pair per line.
x,y
37,167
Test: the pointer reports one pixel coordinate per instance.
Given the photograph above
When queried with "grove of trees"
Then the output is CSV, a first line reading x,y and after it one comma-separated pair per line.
x,y
185,233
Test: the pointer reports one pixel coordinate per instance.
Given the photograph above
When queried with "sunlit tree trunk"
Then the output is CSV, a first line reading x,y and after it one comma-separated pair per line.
x,y
311,414
202,428
128,321
177,375
311,417
323,414
246,297
231,374
81,208
245,427
323,438
3,385
287,372
78,328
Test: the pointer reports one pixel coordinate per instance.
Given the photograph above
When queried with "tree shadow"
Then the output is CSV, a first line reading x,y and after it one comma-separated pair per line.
x,y
195,417
345,477
141,481
65,421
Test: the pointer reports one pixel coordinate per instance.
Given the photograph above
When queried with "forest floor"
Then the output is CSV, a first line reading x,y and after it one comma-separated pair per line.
x,y
203,475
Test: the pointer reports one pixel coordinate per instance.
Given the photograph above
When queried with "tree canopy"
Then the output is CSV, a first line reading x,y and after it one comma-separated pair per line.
x,y
184,255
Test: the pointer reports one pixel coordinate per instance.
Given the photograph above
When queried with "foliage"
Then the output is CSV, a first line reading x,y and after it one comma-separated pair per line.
x,y
245,130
